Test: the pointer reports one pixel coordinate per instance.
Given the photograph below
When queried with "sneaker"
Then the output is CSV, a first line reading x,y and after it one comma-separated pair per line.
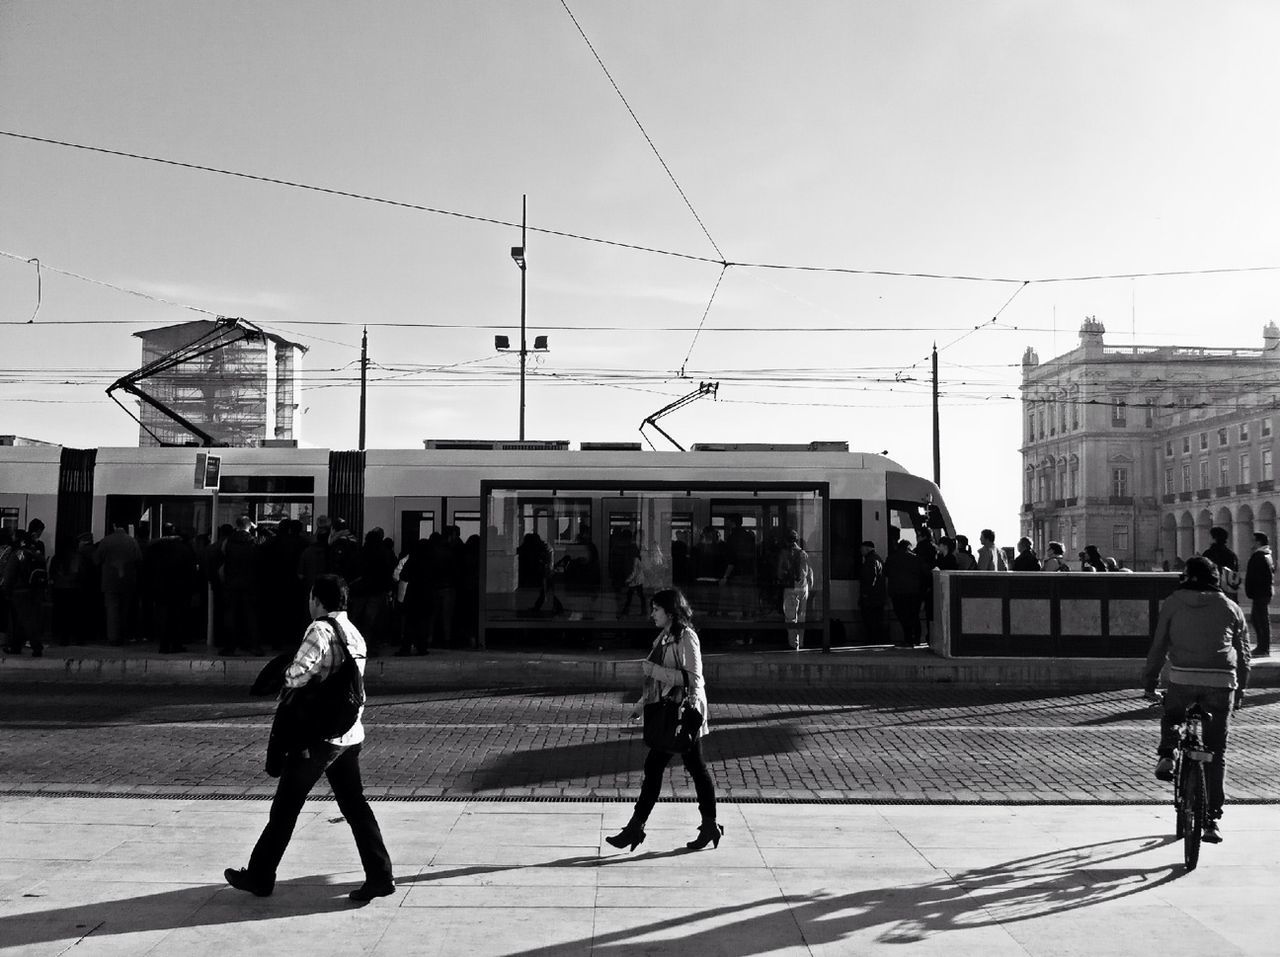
x,y
1164,769
1211,834
241,880
368,891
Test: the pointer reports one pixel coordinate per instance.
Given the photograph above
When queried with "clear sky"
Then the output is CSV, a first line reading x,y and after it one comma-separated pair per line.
x,y
1014,140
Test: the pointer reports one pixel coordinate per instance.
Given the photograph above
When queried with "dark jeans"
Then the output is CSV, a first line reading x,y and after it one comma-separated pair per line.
x,y
1260,616
654,766
301,772
906,608
1216,701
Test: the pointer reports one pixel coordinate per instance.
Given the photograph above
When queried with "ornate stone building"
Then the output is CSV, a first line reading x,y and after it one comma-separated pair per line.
x,y
1140,450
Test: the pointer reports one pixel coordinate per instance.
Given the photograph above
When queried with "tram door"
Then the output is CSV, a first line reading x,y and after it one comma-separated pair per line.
x,y
417,520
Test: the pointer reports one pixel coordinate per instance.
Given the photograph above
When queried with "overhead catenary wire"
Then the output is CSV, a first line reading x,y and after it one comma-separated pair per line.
x,y
490,220
643,132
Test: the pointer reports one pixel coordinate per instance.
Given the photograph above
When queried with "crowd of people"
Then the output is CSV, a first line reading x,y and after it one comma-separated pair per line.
x,y
126,589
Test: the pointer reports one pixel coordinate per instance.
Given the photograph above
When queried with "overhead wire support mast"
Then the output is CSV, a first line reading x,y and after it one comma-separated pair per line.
x,y
704,388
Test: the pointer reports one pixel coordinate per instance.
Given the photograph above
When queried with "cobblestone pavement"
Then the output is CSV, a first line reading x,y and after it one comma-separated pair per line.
x,y
862,745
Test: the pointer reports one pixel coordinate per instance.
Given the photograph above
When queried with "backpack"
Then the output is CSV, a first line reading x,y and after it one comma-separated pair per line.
x,y
793,569
332,706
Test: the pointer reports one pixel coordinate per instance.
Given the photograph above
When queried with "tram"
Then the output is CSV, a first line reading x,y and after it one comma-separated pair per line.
x,y
616,522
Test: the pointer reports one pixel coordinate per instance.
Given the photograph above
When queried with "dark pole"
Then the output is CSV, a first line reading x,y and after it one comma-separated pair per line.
x,y
937,433
523,349
364,379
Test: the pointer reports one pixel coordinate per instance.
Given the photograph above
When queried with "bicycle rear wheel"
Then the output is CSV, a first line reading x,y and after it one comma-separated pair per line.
x,y
1194,810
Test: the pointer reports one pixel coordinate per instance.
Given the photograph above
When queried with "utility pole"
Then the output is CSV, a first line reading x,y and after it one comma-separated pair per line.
x,y
937,434
364,379
524,348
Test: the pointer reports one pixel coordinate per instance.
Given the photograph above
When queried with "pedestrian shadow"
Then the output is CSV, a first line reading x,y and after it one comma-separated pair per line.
x,y
578,762
1014,891
200,906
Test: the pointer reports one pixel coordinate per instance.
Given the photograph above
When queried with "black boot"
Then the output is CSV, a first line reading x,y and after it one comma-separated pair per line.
x,y
632,834
707,834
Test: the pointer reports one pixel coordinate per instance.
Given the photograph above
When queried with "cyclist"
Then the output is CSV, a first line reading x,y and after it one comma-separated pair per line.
x,y
1202,634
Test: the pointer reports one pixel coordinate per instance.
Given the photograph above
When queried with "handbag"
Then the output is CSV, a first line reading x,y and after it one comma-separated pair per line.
x,y
672,724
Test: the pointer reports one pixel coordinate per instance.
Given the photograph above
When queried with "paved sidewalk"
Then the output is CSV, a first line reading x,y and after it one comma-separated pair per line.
x,y
136,877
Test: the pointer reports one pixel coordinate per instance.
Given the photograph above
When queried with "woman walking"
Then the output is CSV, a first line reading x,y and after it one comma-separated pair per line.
x,y
676,653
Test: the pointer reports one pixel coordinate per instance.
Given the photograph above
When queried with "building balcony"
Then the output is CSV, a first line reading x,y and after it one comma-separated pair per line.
x,y
1026,506
1071,502
1267,485
1059,503
1222,491
1184,496
1203,493
1169,498
1244,489
1120,500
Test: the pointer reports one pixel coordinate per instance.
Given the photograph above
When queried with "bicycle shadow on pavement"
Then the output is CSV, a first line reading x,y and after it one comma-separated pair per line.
x,y
1013,891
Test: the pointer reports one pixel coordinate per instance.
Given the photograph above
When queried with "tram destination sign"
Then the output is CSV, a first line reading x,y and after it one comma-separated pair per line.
x,y
208,470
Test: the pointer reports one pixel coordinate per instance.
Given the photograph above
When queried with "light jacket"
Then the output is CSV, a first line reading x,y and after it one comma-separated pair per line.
x,y
1204,637
669,656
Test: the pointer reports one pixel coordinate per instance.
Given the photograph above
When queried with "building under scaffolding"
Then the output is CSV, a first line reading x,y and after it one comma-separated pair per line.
x,y
243,393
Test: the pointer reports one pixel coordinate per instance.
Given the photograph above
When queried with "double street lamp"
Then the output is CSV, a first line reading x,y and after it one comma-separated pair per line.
x,y
502,343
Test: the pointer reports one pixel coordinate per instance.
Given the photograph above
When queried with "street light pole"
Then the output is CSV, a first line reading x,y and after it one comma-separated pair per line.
x,y
524,349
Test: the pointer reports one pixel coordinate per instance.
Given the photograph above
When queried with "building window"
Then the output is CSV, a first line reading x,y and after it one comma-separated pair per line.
x,y
1204,473
1186,444
1045,493
1224,471
1204,441
1151,413
1168,481
1031,426
1053,419
1266,427
1031,486
1062,415
1186,476
1244,431
1075,479
1168,448
1075,412
1075,537
1222,437
1119,482
1266,465
1118,412
1245,477
1120,538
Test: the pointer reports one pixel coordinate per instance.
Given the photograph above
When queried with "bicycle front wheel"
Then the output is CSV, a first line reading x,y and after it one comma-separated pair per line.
x,y
1194,811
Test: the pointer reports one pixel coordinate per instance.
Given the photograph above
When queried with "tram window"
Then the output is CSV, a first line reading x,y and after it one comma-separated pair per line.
x,y
8,518
468,523
909,517
416,525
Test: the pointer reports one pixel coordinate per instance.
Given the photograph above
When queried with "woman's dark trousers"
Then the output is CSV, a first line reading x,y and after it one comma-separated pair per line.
x,y
301,772
654,766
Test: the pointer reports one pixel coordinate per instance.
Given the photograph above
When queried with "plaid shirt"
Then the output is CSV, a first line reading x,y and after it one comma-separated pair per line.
x,y
318,656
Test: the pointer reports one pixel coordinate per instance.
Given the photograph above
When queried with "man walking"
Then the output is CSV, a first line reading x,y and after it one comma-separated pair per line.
x,y
329,637
1259,586
902,570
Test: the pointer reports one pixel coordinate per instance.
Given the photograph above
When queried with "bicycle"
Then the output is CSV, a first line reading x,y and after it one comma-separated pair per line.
x,y
1190,792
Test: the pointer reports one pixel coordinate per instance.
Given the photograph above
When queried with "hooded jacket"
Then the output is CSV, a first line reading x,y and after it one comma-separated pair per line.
x,y
1203,635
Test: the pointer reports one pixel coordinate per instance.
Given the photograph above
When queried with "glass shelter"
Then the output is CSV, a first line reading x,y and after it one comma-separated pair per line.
x,y
569,555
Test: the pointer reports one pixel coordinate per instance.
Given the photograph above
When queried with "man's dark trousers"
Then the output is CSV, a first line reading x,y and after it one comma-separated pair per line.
x,y
301,772
1260,617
